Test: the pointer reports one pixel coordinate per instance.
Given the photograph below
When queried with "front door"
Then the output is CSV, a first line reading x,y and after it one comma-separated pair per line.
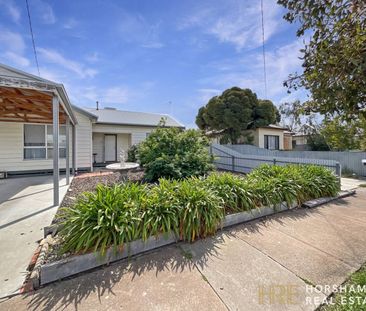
x,y
110,148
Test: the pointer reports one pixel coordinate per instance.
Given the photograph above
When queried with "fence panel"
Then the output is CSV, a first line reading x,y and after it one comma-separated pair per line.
x,y
349,160
232,160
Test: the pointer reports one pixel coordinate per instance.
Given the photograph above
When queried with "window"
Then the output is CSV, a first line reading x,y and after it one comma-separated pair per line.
x,y
38,141
272,142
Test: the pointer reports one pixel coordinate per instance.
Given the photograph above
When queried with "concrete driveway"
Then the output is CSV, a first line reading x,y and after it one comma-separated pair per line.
x,y
25,209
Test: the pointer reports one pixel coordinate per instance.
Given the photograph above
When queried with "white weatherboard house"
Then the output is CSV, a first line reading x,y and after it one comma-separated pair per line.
x,y
113,129
32,109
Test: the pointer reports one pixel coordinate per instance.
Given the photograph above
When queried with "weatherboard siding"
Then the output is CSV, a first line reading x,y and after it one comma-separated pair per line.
x,y
83,141
123,142
136,133
11,151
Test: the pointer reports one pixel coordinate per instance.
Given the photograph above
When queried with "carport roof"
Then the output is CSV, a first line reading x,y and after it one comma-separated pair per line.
x,y
26,97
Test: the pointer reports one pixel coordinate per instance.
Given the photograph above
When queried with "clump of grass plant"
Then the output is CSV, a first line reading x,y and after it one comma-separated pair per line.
x,y
192,208
108,216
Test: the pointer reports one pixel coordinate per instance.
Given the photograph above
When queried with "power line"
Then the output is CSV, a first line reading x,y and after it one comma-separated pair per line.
x,y
264,53
31,31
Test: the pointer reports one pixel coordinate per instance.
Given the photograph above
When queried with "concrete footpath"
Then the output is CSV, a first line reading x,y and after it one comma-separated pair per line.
x,y
271,264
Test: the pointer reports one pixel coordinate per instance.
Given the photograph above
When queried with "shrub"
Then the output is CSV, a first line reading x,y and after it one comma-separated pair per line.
x,y
174,153
132,154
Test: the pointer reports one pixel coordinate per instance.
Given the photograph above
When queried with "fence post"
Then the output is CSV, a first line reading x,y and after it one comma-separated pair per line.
x,y
339,171
274,161
210,149
233,163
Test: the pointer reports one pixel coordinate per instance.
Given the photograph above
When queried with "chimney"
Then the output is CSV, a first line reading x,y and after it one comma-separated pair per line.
x,y
97,105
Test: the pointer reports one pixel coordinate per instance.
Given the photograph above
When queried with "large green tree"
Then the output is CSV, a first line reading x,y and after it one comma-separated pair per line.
x,y
341,135
334,58
235,111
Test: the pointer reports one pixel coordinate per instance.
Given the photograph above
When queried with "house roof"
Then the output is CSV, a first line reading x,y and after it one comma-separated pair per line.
x,y
114,116
275,127
12,77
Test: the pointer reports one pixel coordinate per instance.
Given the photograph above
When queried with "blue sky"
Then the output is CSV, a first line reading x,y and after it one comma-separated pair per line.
x,y
164,56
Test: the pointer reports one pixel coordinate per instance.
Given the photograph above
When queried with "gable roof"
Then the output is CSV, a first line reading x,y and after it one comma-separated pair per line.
x,y
114,116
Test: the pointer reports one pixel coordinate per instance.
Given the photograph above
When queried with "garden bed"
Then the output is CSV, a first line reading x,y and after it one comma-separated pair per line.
x,y
88,182
57,267
118,220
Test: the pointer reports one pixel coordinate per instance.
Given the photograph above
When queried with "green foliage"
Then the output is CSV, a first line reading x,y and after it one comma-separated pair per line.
x,y
200,209
317,142
353,295
334,59
192,208
235,111
110,216
174,153
342,135
132,154
233,190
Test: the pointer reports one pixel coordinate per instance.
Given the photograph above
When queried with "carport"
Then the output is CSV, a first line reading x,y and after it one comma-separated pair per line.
x,y
25,98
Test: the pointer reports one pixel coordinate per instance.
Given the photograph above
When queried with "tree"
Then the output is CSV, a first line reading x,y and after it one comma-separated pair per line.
x,y
341,135
235,111
291,115
334,60
317,142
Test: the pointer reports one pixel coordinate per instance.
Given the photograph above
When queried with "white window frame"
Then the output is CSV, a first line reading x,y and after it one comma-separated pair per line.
x,y
40,147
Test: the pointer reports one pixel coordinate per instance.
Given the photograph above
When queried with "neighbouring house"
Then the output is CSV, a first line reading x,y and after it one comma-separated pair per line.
x,y
272,137
300,142
33,108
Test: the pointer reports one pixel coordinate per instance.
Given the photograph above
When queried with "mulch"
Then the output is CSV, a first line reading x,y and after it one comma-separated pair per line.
x,y
88,182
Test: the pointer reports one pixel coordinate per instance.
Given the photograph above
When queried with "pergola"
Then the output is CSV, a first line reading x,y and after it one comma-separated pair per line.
x,y
29,99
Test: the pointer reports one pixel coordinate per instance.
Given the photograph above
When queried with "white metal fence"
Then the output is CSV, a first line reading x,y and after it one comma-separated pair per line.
x,y
349,160
232,160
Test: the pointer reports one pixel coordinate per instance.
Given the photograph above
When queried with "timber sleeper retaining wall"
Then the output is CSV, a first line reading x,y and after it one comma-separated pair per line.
x,y
67,267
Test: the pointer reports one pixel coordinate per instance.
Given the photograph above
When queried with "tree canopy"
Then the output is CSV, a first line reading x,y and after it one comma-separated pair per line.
x,y
235,111
334,60
324,133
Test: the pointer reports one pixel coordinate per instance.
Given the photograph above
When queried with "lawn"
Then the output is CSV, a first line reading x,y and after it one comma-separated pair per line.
x,y
352,297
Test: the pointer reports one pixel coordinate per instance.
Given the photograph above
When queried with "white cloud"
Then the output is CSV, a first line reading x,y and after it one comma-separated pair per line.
x,y
11,41
12,49
17,59
43,11
71,23
135,29
248,72
55,57
12,9
238,23
206,94
87,96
